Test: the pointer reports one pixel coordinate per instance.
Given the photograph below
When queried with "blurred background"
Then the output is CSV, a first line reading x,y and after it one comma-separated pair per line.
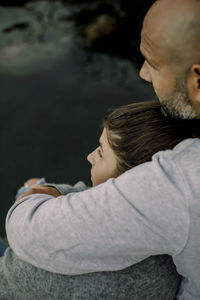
x,y
62,65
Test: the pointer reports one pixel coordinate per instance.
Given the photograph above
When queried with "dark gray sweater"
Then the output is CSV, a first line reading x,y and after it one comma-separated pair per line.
x,y
154,278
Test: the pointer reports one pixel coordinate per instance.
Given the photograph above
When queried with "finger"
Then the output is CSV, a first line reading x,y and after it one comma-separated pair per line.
x,y
31,181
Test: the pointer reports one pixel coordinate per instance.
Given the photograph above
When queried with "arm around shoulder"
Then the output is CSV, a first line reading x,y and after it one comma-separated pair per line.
x,y
109,227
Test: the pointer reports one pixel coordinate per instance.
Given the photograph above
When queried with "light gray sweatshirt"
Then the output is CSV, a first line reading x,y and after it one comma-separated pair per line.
x,y
150,210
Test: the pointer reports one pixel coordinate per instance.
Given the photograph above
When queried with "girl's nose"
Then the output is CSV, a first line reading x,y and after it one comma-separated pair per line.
x,y
90,158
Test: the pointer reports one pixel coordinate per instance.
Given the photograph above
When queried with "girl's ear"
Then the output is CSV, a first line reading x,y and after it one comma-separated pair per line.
x,y
193,85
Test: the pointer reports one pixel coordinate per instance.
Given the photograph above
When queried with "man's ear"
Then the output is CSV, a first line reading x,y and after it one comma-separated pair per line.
x,y
193,84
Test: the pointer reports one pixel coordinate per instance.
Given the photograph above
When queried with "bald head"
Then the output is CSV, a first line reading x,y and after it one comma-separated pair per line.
x,y
175,25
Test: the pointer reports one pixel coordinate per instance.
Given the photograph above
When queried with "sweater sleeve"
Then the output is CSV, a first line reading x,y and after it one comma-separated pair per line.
x,y
62,188
143,212
65,189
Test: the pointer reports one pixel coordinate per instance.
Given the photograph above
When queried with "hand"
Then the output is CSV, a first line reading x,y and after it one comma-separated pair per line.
x,y
31,181
40,189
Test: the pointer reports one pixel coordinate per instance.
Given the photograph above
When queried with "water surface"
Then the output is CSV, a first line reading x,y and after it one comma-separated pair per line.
x,y
54,94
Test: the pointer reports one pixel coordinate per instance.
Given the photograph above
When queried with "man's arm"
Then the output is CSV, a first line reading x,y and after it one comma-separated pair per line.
x,y
109,227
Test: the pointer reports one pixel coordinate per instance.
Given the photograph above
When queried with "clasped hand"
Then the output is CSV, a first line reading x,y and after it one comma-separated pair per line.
x,y
38,189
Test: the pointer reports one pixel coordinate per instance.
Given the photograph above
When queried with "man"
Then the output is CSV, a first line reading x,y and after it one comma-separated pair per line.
x,y
171,47
151,209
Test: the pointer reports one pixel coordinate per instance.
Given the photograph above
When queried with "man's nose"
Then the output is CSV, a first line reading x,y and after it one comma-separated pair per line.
x,y
144,72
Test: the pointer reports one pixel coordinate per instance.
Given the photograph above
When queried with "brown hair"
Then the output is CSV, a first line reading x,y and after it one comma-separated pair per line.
x,y
139,130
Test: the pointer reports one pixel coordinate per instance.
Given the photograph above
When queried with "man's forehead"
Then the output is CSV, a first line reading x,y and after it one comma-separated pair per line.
x,y
153,38
149,44
153,22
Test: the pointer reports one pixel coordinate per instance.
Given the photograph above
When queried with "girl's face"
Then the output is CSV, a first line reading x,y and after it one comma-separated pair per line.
x,y
103,161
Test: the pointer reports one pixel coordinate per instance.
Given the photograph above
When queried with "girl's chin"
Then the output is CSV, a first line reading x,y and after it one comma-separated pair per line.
x,y
93,182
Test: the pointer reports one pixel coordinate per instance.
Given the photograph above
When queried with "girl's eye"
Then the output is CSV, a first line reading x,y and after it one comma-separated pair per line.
x,y
99,152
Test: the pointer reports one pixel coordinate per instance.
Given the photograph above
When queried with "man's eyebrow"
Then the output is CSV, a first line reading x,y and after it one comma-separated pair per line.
x,y
153,66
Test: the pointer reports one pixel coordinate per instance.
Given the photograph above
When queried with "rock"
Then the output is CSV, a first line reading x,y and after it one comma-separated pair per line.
x,y
17,25
34,37
38,35
102,25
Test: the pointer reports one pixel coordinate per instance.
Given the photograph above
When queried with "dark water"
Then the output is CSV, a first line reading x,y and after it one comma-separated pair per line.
x,y
51,111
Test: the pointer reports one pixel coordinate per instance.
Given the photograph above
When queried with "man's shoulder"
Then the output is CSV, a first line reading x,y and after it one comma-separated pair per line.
x,y
185,152
181,165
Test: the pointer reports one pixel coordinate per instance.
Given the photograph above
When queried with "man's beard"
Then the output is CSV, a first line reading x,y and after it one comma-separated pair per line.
x,y
178,104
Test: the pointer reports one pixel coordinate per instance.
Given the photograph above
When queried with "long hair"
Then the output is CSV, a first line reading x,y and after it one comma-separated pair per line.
x,y
137,131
